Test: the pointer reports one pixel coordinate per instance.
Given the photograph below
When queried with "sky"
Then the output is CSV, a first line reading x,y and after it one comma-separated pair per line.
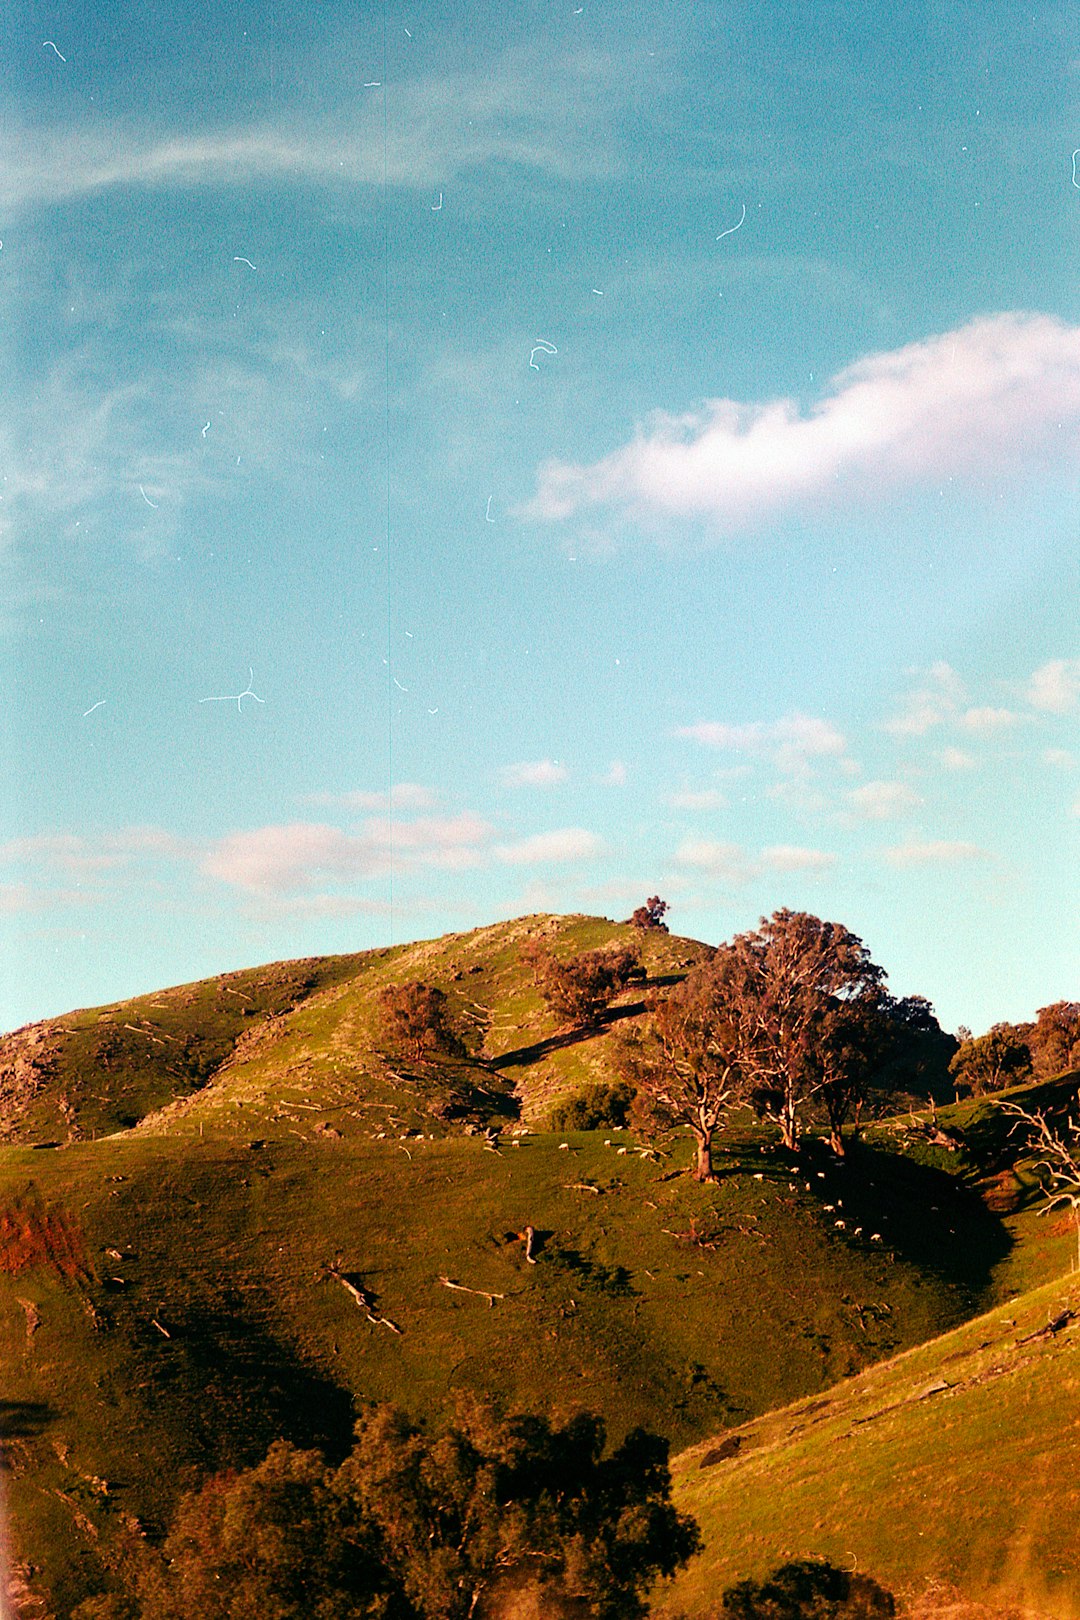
x,y
460,460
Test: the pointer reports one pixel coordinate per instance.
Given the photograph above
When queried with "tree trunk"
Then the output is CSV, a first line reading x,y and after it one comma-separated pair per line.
x,y
836,1140
703,1165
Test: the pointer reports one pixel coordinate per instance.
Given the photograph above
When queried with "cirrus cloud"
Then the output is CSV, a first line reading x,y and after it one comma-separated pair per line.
x,y
992,393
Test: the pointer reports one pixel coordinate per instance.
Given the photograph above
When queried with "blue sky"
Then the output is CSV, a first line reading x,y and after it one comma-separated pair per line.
x,y
583,453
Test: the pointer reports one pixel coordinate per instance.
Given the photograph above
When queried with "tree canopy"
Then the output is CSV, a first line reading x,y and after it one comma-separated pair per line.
x,y
579,988
992,1061
684,1065
802,994
456,1525
809,1589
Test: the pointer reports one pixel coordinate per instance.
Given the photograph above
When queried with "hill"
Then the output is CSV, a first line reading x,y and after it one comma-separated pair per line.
x,y
303,1224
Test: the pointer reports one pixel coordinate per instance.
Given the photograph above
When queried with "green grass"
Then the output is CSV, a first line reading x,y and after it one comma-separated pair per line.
x,y
227,1248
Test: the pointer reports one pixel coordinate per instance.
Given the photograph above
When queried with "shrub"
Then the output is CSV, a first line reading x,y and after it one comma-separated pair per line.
x,y
810,1589
579,989
599,1107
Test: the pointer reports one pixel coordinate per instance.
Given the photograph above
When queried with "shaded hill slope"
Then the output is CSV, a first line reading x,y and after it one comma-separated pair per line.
x,y
169,1304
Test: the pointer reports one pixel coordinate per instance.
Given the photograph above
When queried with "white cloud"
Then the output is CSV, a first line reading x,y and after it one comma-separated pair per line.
x,y
278,859
933,852
565,844
703,799
983,721
936,700
21,897
402,796
727,863
85,856
1055,686
989,394
791,858
542,773
790,743
615,775
883,801
955,759
732,865
1059,758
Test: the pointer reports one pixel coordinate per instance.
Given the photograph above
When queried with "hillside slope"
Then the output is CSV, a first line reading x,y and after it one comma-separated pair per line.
x,y
176,1293
946,1473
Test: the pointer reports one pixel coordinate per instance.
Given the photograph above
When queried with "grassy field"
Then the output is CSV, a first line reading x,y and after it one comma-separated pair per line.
x,y
171,1291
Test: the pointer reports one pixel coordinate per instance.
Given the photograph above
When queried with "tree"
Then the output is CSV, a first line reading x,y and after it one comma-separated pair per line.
x,y
810,1589
276,1542
452,1526
797,990
918,1052
1054,1039
416,1017
851,1043
685,1064
992,1061
651,914
1058,1158
580,988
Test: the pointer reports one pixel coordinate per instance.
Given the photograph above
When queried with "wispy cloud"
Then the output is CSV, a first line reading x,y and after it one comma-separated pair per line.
x,y
84,856
791,743
987,719
436,128
939,697
733,866
883,801
991,394
697,799
956,759
540,773
933,852
402,796
299,855
562,845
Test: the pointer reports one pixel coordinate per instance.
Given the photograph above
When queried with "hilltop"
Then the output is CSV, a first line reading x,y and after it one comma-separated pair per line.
x,y
226,1215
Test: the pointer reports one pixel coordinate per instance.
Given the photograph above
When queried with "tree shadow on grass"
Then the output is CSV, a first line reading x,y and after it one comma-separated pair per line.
x,y
923,1215
21,1419
229,1386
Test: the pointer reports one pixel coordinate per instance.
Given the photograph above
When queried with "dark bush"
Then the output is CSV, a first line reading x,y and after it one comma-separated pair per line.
x,y
599,1107
810,1589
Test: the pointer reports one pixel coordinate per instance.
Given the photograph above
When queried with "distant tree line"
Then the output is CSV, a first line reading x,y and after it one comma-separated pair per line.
x,y
1011,1054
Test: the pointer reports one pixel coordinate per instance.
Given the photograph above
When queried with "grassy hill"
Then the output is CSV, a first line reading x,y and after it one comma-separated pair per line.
x,y
947,1472
172,1274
